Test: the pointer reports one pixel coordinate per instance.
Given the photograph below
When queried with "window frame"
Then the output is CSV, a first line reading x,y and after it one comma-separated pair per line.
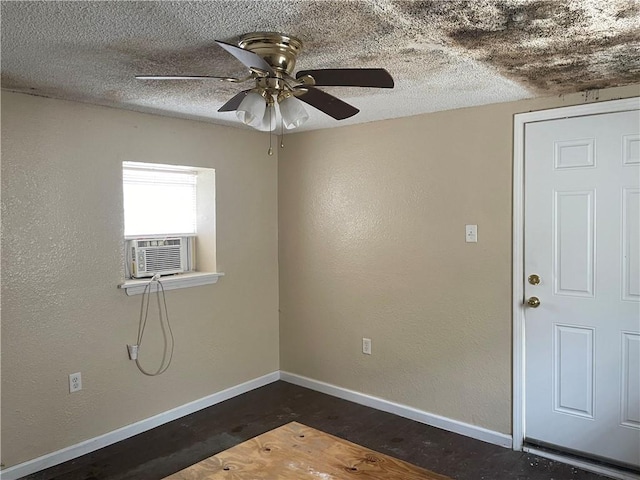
x,y
204,240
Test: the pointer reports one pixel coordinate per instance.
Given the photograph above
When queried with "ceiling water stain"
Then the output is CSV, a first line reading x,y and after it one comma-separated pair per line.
x,y
335,33
560,65
629,11
549,46
18,84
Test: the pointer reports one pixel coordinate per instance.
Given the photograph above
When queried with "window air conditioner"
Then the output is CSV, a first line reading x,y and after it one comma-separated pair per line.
x,y
164,256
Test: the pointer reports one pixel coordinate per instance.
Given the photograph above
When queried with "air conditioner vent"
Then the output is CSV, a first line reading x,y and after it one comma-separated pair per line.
x,y
163,258
166,256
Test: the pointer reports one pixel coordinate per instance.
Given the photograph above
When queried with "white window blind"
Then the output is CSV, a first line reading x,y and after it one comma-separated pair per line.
x,y
158,199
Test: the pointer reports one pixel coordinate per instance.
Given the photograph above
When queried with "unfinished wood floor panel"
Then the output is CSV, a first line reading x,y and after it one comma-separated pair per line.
x,y
297,452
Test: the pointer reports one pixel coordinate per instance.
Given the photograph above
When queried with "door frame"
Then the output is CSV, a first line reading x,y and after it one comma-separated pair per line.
x,y
518,312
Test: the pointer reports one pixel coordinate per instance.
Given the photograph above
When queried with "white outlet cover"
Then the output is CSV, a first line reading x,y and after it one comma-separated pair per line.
x,y
75,382
471,233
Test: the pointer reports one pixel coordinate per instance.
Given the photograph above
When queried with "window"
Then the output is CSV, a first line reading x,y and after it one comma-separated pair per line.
x,y
165,206
158,200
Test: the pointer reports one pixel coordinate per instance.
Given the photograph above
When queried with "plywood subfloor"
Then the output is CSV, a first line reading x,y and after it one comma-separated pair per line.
x,y
297,452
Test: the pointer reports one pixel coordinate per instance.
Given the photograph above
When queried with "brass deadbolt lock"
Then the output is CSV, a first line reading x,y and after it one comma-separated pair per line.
x,y
534,279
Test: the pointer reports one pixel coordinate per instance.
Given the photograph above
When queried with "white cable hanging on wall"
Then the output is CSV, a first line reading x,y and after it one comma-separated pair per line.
x,y
165,326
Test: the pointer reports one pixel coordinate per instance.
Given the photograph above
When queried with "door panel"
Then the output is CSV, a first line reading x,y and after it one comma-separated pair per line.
x,y
630,242
630,380
573,370
573,248
574,153
631,149
582,237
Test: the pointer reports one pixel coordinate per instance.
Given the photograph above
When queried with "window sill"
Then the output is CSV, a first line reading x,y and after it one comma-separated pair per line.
x,y
183,280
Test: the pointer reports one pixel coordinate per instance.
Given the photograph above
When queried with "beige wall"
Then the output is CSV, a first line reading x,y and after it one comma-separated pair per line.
x,y
372,245
62,257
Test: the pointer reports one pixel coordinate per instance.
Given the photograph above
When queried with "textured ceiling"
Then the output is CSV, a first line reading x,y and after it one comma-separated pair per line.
x,y
442,54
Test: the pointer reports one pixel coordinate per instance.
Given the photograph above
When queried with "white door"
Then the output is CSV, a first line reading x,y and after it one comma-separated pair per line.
x,y
582,238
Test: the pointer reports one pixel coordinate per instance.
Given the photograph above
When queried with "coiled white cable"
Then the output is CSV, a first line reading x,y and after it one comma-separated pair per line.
x,y
144,313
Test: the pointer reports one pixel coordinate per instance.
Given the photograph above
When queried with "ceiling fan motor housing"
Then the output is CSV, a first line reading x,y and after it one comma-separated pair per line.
x,y
276,49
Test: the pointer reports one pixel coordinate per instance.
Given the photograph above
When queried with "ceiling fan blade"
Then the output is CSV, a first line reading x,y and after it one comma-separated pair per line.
x,y
328,104
247,58
234,103
349,77
191,77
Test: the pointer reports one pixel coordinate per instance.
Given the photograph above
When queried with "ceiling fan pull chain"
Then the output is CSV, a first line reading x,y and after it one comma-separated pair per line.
x,y
270,132
281,132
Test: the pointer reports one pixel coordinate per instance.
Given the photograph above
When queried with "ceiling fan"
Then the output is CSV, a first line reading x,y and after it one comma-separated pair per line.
x,y
270,58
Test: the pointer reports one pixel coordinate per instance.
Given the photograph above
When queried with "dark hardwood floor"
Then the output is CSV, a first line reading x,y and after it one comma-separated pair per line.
x,y
171,447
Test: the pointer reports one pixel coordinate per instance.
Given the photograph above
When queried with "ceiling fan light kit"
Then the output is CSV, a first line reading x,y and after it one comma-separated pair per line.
x,y
271,59
268,122
292,111
252,109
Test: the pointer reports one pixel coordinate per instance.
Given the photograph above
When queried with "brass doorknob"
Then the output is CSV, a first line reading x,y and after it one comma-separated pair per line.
x,y
533,302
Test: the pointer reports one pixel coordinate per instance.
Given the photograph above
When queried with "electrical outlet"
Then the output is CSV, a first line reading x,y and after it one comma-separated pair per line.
x,y
471,233
366,346
75,382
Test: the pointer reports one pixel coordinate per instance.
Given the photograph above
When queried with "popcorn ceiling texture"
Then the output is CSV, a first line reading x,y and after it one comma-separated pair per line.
x,y
442,54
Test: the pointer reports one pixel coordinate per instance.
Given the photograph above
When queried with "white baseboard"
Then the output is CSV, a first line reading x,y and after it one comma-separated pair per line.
x,y
468,430
405,411
93,444
584,464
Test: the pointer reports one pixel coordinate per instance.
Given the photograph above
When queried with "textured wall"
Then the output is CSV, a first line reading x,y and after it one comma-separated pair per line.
x,y
371,224
372,245
62,246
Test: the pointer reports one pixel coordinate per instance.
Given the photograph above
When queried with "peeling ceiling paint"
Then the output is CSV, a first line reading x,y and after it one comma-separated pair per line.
x,y
442,54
